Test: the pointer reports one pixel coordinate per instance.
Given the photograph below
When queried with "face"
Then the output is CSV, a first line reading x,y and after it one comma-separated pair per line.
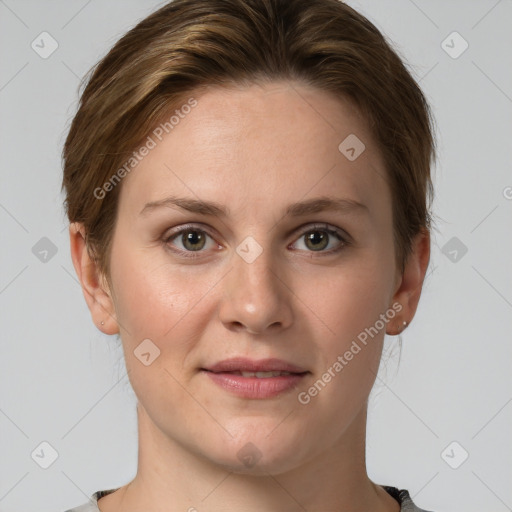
x,y
266,272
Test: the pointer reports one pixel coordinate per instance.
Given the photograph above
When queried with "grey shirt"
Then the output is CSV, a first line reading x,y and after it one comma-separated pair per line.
x,y
403,498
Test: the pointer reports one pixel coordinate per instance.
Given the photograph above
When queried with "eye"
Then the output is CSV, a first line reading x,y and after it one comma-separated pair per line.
x,y
189,239
319,237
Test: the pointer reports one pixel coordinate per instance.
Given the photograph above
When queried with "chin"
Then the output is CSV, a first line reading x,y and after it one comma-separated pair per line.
x,y
257,453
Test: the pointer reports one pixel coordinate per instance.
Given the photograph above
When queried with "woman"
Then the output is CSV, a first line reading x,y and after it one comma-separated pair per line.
x,y
248,189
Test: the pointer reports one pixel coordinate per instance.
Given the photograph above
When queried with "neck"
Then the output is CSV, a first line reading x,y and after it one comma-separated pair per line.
x,y
171,477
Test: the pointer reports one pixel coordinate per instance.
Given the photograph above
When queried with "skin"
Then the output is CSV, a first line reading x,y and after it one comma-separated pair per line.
x,y
254,150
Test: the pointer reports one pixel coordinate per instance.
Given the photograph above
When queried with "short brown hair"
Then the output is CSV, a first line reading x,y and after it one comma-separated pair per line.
x,y
190,44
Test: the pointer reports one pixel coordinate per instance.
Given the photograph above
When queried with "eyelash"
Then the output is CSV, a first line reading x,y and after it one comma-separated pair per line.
x,y
344,242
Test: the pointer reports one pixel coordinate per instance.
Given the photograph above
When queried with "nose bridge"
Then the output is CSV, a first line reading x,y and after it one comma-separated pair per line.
x,y
255,266
254,296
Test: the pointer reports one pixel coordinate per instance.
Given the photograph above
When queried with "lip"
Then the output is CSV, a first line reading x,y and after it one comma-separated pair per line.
x,y
251,365
255,387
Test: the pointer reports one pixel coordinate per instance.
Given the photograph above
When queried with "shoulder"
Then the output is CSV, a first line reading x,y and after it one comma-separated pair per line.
x,y
86,507
404,499
92,504
402,496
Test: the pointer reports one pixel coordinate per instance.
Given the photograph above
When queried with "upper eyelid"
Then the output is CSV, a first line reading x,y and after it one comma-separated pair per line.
x,y
180,229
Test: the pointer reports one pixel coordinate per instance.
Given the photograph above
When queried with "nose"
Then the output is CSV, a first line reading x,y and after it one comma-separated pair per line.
x,y
255,296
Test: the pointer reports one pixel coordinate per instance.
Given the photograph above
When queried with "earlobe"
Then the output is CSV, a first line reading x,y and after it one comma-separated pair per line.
x,y
94,287
410,285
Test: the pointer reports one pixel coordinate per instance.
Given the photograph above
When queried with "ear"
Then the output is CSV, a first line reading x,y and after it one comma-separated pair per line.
x,y
94,285
410,282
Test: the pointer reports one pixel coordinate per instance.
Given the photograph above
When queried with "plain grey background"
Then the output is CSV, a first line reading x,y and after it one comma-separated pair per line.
x,y
62,382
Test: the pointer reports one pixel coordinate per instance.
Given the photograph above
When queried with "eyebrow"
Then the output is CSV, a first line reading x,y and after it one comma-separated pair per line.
x,y
212,208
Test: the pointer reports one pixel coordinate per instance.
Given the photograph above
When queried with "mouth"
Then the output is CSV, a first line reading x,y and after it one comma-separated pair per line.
x,y
262,366
258,375
255,379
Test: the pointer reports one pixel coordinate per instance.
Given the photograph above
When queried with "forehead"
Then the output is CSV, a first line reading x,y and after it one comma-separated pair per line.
x,y
262,144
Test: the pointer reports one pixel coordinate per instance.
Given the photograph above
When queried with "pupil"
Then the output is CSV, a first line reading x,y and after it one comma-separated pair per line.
x,y
317,236
192,238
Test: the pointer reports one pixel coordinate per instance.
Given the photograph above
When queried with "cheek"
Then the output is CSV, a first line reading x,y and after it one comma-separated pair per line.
x,y
154,299
349,349
347,306
348,299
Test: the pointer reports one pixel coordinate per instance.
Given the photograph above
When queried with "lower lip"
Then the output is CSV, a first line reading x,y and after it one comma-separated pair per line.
x,y
254,387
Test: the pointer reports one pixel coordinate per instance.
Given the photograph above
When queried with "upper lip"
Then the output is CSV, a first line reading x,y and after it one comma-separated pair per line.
x,y
252,365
